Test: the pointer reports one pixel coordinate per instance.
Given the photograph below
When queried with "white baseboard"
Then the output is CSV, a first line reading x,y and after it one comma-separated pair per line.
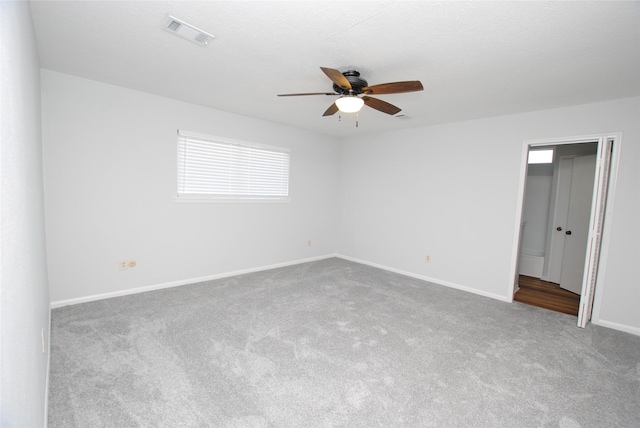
x,y
617,326
531,265
428,279
515,290
61,303
92,298
46,380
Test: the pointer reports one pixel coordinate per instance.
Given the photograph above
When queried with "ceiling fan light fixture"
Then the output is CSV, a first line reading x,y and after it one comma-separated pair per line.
x,y
349,104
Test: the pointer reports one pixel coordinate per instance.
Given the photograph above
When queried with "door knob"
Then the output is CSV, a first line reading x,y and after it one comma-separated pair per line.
x,y
568,232
558,228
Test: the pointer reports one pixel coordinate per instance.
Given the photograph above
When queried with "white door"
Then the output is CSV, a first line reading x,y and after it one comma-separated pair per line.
x,y
576,230
596,225
561,215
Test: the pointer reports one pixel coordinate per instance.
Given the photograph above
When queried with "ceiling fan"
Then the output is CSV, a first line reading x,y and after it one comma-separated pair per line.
x,y
354,92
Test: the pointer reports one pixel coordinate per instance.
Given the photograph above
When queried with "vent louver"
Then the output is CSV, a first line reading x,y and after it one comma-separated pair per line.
x,y
187,31
173,25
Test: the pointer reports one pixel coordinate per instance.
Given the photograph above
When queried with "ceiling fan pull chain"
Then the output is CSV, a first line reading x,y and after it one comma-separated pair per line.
x,y
357,117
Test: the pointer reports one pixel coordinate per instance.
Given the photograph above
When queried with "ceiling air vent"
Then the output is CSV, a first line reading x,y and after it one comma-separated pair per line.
x,y
187,31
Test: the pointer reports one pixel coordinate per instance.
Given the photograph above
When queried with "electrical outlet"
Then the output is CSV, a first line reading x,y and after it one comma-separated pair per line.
x,y
427,258
122,265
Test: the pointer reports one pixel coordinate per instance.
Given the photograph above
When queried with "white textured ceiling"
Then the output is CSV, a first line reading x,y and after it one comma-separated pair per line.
x,y
475,59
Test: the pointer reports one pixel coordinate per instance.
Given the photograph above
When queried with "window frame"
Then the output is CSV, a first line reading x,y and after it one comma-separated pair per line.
x,y
228,198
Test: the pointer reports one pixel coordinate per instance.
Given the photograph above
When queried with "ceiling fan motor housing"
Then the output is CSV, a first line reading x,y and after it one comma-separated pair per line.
x,y
357,83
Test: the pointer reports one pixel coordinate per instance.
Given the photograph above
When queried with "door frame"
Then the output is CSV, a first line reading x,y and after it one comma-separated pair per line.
x,y
601,262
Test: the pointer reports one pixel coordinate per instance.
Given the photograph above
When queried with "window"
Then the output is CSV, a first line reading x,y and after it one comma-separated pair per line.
x,y
540,156
220,169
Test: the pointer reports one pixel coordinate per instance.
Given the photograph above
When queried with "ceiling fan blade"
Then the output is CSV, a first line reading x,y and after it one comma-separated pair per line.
x,y
380,105
394,88
333,108
337,77
308,93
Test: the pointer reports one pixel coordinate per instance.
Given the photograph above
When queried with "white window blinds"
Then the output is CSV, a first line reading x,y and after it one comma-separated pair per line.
x,y
216,168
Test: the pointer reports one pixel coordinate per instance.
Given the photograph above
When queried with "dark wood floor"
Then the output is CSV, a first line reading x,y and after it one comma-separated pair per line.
x,y
543,294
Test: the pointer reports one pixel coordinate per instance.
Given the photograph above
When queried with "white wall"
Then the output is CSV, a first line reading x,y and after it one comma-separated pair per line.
x,y
24,296
535,219
537,202
451,191
448,191
110,183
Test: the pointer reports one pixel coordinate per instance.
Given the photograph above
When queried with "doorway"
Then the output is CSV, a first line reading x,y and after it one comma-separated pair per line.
x,y
553,250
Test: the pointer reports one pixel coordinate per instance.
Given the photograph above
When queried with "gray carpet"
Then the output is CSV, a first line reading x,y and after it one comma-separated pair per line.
x,y
334,344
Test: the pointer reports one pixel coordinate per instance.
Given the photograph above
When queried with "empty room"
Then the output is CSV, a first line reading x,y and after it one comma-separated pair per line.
x,y
320,214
